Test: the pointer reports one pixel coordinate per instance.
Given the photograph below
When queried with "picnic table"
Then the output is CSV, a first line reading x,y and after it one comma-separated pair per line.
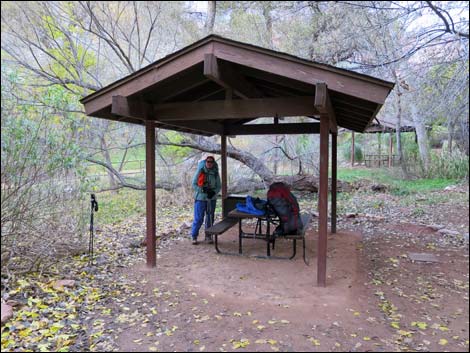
x,y
234,216
258,232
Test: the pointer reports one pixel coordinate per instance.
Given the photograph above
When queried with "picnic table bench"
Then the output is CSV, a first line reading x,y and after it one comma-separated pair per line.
x,y
233,217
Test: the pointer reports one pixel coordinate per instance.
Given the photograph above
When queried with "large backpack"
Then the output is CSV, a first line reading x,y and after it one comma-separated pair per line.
x,y
286,207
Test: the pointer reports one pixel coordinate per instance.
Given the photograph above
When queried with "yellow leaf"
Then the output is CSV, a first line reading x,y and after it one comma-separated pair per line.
x,y
260,341
285,322
366,338
254,322
196,342
420,324
260,327
442,341
357,313
405,333
237,314
271,342
443,328
395,325
314,341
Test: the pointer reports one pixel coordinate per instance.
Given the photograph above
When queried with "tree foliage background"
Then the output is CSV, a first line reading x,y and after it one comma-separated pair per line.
x,y
54,53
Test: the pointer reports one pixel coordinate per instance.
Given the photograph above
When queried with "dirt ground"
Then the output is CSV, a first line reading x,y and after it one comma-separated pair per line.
x,y
376,298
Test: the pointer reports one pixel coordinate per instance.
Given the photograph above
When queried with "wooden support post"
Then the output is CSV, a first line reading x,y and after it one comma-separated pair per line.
x,y
390,151
323,201
353,149
150,187
334,166
379,137
223,152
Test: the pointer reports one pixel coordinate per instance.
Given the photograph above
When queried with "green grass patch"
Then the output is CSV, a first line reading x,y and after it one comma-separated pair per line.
x,y
405,187
117,206
356,174
397,185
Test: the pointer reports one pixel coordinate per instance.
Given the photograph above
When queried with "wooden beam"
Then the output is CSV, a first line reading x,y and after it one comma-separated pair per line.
x,y
334,169
122,106
125,107
338,80
270,129
353,149
323,202
146,77
223,155
236,109
150,193
323,104
205,126
224,74
175,90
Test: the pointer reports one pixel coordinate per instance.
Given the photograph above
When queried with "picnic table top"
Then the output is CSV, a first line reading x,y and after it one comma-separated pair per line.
x,y
238,214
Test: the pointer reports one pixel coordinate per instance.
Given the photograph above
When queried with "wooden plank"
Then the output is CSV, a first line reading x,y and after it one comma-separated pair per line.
x,y
221,226
272,78
226,76
236,109
353,149
202,126
334,168
223,152
323,202
176,89
146,78
123,106
339,81
150,193
323,104
273,129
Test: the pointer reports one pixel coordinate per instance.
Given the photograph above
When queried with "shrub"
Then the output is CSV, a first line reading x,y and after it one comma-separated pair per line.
x,y
346,149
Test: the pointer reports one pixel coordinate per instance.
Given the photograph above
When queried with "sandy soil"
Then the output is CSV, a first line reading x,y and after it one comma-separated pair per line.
x,y
198,300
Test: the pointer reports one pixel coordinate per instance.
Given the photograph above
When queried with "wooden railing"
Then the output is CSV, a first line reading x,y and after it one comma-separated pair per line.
x,y
379,160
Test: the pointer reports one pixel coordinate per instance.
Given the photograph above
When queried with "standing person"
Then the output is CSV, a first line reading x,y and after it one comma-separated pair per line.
x,y
206,185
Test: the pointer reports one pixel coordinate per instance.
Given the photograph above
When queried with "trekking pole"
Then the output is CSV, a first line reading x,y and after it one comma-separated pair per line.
x,y
209,212
211,221
94,208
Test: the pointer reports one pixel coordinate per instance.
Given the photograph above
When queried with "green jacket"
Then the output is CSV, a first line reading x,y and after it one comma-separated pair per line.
x,y
212,181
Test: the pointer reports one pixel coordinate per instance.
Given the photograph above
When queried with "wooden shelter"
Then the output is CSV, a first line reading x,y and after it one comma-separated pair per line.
x,y
218,86
380,127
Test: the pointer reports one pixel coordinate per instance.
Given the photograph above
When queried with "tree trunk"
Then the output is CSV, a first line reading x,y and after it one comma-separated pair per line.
x,y
210,20
107,158
308,183
401,159
422,137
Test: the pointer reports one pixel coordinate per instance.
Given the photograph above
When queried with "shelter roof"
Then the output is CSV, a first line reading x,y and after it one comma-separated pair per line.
x,y
188,91
384,126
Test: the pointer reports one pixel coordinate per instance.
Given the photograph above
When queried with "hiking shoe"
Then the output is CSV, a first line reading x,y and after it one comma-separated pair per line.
x,y
209,239
194,242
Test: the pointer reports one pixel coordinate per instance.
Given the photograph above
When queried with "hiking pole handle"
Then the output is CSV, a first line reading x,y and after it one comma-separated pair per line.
x,y
94,203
